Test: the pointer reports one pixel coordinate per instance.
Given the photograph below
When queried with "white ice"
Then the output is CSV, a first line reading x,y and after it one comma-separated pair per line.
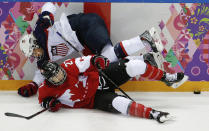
x,y
191,112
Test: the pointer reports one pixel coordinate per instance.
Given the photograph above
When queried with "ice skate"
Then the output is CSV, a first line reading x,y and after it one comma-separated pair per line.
x,y
174,80
154,59
160,116
152,38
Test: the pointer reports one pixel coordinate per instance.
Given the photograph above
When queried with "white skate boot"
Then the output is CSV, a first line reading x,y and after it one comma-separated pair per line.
x,y
174,80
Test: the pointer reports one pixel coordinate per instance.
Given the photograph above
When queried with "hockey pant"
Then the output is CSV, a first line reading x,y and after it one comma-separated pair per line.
x,y
120,72
91,31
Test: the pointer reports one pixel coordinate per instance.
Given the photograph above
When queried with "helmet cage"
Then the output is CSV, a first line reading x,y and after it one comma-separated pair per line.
x,y
51,71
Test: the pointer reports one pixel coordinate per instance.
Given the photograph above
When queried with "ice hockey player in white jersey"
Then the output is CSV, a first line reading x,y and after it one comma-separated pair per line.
x,y
87,33
77,83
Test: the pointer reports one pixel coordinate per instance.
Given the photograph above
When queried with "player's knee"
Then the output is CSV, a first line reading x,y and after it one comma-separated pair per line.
x,y
135,67
121,104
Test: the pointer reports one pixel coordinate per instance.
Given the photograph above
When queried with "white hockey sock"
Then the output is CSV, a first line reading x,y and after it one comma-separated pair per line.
x,y
121,104
108,51
128,107
132,45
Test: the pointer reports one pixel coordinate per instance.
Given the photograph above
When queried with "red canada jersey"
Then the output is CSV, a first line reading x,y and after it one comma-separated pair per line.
x,y
80,86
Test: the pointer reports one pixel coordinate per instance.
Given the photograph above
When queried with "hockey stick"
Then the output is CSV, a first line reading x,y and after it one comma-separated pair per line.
x,y
69,43
112,82
103,74
26,117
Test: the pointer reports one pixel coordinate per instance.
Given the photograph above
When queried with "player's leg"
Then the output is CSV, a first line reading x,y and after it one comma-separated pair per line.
x,y
133,45
122,49
127,69
95,36
116,69
128,107
91,31
128,47
138,67
111,102
108,51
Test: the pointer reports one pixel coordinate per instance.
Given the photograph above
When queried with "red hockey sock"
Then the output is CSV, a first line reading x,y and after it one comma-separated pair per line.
x,y
152,72
139,110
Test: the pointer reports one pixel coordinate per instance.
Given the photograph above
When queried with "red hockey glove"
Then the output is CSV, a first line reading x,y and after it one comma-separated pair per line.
x,y
45,20
51,103
100,62
28,90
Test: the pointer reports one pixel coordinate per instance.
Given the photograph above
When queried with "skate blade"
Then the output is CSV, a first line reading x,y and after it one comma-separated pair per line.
x,y
176,85
159,59
155,35
167,118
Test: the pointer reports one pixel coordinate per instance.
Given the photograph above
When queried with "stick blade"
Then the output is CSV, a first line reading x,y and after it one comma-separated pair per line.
x,y
13,115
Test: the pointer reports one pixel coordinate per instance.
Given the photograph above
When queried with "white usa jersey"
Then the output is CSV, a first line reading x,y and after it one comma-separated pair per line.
x,y
57,46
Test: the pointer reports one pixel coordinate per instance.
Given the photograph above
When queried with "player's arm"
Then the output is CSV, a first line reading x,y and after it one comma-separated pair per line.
x,y
32,87
86,64
46,18
47,100
51,103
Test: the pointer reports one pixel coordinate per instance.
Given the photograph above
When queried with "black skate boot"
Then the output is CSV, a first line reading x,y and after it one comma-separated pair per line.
x,y
159,116
149,58
170,79
147,38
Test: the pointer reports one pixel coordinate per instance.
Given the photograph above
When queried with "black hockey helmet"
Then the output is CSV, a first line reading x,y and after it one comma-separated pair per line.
x,y
53,72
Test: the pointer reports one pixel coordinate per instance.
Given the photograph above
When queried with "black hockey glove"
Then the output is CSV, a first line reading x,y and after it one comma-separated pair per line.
x,y
100,61
45,20
51,103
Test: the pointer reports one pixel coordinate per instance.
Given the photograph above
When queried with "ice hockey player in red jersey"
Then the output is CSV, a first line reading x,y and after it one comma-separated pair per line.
x,y
86,32
77,83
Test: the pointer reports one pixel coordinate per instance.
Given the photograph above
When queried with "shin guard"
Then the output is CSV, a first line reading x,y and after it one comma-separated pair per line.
x,y
153,72
139,110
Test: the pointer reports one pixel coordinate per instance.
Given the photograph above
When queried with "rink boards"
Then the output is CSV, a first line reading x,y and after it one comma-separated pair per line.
x,y
185,50
138,86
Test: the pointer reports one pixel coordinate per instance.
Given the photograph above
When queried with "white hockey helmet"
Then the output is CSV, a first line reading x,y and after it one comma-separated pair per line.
x,y
27,43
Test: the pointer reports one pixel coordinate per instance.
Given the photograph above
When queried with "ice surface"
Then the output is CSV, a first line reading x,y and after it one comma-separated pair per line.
x,y
191,112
